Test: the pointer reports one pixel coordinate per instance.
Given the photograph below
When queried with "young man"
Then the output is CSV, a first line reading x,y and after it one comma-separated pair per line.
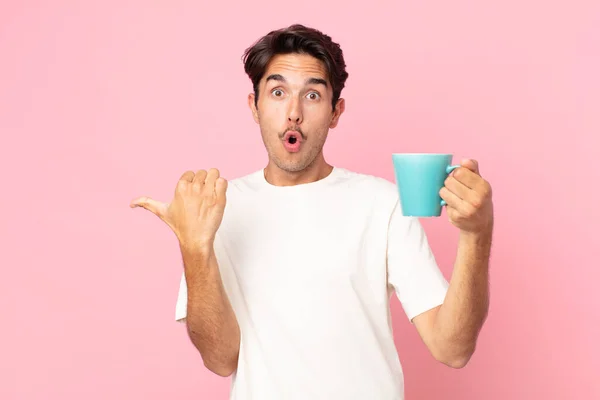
x,y
288,271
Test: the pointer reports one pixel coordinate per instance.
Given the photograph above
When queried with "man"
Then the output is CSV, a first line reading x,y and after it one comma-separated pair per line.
x,y
288,271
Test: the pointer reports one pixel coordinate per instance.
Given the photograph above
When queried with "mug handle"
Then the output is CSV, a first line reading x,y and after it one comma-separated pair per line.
x,y
449,169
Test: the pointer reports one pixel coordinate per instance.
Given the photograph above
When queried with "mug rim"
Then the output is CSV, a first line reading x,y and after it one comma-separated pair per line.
x,y
421,154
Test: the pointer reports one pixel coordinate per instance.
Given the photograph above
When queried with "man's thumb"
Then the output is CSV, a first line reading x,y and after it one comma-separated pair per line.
x,y
156,207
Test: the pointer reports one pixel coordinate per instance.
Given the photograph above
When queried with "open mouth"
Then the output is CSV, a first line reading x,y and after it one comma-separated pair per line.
x,y
292,137
292,141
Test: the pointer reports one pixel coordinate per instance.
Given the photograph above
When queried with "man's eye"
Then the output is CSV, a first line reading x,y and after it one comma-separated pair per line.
x,y
313,96
277,92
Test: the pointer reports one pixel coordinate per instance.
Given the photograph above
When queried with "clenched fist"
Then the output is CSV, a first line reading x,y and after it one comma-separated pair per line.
x,y
196,211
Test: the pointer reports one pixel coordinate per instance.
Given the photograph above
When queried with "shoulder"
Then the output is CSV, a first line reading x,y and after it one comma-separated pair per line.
x,y
368,184
375,193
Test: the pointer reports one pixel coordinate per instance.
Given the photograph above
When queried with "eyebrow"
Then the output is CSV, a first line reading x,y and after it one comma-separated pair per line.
x,y
309,81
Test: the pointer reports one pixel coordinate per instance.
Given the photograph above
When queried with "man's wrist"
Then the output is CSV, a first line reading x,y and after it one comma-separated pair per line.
x,y
197,247
477,238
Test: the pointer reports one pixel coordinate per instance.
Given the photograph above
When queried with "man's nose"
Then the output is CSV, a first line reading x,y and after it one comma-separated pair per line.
x,y
295,112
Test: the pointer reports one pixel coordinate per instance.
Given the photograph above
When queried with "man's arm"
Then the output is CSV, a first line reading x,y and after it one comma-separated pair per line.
x,y
211,322
194,215
450,331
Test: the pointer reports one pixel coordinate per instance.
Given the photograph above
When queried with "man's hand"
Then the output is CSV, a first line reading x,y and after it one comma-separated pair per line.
x,y
469,199
196,211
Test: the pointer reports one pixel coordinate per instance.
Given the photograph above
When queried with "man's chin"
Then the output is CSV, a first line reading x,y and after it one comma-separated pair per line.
x,y
291,166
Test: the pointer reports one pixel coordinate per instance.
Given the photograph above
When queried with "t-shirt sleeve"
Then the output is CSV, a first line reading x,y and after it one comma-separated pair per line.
x,y
412,269
181,303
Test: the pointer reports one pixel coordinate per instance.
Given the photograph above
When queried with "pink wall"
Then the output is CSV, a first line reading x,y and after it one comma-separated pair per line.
x,y
101,103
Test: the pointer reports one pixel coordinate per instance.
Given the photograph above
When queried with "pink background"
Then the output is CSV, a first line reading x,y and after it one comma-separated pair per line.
x,y
103,102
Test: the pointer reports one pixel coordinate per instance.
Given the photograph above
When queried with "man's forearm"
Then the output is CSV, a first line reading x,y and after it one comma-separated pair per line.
x,y
459,320
211,322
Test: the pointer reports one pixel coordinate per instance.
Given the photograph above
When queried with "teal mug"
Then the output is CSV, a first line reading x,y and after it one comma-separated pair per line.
x,y
419,179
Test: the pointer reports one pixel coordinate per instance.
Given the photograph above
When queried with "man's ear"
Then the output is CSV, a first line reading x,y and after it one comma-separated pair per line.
x,y
337,112
252,106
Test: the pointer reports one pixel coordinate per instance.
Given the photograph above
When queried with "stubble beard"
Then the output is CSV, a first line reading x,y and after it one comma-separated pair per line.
x,y
304,159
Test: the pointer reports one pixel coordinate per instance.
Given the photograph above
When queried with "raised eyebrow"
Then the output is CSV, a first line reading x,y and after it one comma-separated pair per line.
x,y
309,81
275,77
316,81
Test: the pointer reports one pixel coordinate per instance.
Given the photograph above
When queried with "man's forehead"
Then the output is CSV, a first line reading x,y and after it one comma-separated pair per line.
x,y
290,66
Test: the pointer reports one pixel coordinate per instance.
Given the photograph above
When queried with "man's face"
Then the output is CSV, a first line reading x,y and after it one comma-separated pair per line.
x,y
294,110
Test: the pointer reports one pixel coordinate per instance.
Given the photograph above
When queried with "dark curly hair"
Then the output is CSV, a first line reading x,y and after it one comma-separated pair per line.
x,y
296,39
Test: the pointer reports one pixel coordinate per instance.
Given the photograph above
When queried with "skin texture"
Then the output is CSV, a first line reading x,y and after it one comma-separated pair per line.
x,y
295,94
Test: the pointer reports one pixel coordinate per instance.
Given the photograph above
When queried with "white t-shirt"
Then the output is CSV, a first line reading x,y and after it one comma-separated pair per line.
x,y
309,270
